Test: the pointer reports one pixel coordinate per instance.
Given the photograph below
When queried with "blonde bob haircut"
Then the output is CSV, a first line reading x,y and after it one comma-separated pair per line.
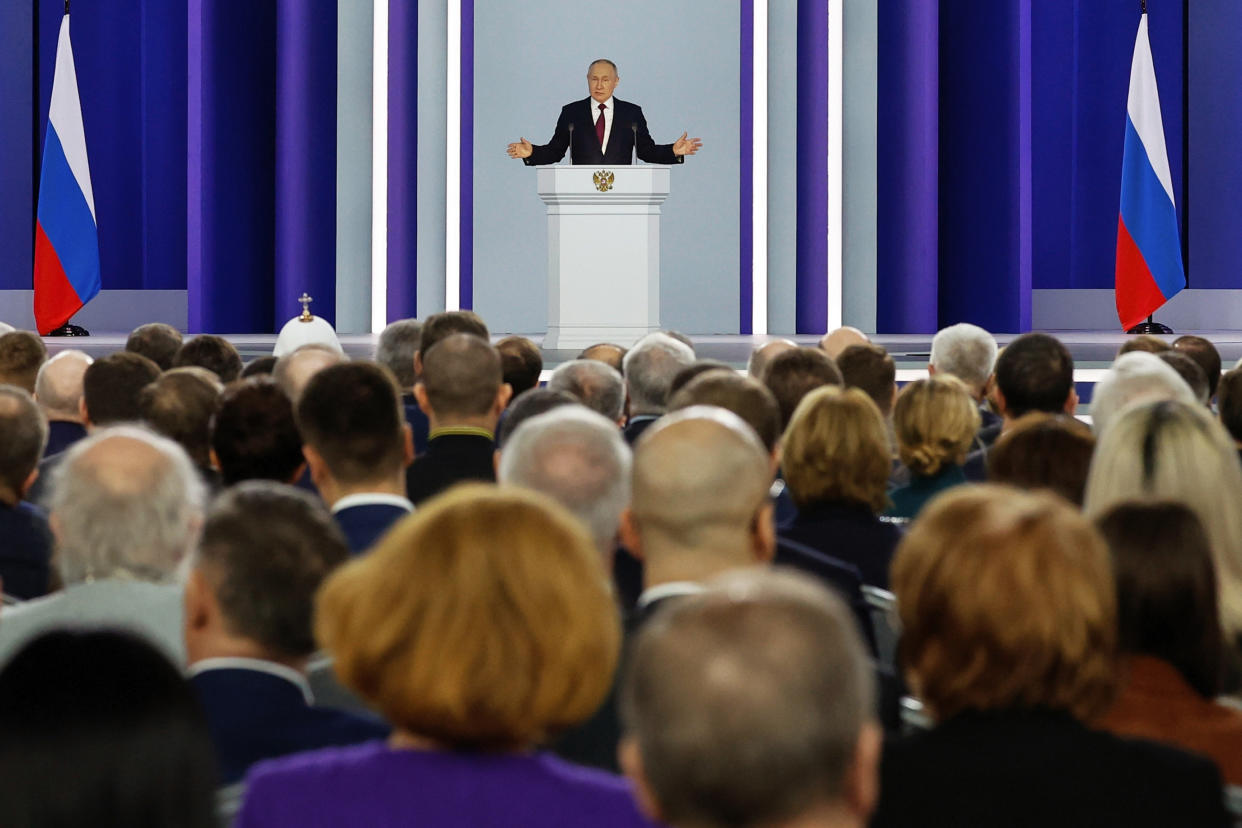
x,y
482,621
1006,600
836,448
935,421
1177,451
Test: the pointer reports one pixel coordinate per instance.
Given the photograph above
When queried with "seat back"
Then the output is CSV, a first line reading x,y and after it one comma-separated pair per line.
x,y
883,608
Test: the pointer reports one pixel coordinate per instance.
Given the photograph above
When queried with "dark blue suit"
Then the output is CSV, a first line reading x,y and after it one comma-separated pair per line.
x,y
25,551
450,458
61,434
420,427
575,131
848,532
253,715
365,524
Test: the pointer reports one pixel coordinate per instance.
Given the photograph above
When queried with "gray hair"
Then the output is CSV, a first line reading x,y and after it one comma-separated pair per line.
x,y
396,348
579,459
129,510
747,702
649,368
1137,376
596,384
58,387
965,351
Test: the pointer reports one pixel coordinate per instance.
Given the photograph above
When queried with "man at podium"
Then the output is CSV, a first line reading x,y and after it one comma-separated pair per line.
x,y
603,130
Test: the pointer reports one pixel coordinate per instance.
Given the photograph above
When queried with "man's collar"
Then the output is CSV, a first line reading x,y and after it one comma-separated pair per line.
x,y
672,589
372,499
471,431
608,104
256,665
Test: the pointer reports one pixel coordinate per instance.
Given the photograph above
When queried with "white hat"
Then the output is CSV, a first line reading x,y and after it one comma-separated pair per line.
x,y
305,329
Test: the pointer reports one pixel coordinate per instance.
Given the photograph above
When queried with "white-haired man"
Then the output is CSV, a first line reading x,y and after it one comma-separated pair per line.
x,y
1137,376
649,368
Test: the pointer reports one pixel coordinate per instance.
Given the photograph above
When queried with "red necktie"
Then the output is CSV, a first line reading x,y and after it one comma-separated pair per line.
x,y
599,126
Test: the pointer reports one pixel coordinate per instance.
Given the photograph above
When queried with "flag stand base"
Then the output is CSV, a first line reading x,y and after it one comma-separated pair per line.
x,y
69,330
1150,327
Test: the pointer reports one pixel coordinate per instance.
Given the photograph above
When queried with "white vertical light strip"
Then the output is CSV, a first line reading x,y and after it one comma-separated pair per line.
x,y
452,166
379,168
836,166
759,173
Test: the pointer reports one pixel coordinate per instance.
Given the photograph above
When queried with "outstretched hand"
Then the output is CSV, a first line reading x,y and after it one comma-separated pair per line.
x,y
684,145
520,149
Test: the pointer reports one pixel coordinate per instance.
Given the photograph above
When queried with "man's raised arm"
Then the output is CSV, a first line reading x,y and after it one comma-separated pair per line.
x,y
533,155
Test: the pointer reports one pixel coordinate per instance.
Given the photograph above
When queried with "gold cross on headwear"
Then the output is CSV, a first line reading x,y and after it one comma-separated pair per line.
x,y
306,314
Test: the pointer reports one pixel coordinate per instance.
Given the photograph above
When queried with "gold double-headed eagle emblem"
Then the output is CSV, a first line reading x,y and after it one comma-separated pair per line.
x,y
603,180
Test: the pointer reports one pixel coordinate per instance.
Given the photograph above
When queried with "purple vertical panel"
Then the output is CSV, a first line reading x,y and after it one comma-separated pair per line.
x,y
907,181
746,178
17,130
305,157
811,313
467,154
402,160
1025,244
197,157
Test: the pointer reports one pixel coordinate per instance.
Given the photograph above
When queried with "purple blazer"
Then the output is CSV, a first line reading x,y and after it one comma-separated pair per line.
x,y
375,785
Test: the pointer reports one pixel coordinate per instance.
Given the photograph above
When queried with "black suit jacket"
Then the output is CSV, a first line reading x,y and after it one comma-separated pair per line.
x,y
850,533
25,551
449,459
365,524
575,131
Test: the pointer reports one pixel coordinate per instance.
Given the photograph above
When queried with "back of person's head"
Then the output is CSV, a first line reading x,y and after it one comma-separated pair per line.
x,y
254,434
1035,372
1135,377
649,369
98,728
398,343
605,352
180,405
350,416
461,377
58,386
1176,451
744,396
593,383
215,353
484,620
1229,402
21,355
695,369
836,450
965,351
1203,352
1006,601
836,341
870,369
23,436
763,354
111,385
1044,451
521,363
792,374
125,503
1189,371
935,421
157,342
579,459
751,705
1144,342
534,402
440,326
260,367
265,549
294,370
1166,588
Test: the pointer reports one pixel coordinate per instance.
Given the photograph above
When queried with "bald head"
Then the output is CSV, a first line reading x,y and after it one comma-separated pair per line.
x,y
834,342
462,379
292,372
58,388
761,356
606,353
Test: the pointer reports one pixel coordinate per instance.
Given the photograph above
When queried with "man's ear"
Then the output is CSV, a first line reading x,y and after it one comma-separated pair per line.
x,y
765,533
420,395
214,458
317,467
631,760
200,601
418,363
503,396
628,532
82,412
28,482
1001,406
1071,401
862,781
931,370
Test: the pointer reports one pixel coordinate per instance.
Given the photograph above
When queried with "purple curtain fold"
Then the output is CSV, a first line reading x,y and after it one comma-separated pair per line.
x,y
811,282
402,160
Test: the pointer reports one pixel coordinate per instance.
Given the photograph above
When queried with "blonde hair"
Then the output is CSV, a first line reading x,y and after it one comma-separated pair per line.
x,y
836,448
483,620
935,421
1176,451
1006,601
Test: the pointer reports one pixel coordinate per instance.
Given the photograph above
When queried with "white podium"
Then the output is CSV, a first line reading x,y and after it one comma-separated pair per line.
x,y
603,252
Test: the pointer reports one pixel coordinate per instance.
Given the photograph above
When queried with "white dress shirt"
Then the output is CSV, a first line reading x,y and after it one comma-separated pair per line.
x,y
608,113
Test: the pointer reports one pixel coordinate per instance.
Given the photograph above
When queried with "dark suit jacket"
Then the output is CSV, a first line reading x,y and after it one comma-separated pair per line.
x,y
841,577
849,532
61,434
575,131
363,525
417,420
25,551
254,715
449,459
1041,768
636,426
42,488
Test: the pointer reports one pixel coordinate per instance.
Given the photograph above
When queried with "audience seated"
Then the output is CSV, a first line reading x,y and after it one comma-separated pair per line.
x,y
125,506
26,551
1202,351
1170,635
1044,451
607,353
836,341
750,705
534,402
968,352
935,422
58,391
763,354
249,598
1189,371
295,369
157,342
180,405
1144,343
259,367
478,627
1009,633
437,327
21,355
1135,377
357,445
649,369
1035,372
215,353
1176,451
97,728
836,462
790,375
254,435
395,350
521,363
870,369
594,384
1229,405
461,391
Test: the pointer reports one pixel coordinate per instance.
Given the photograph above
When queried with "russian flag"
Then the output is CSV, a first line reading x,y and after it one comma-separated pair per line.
x,y
66,261
1149,250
